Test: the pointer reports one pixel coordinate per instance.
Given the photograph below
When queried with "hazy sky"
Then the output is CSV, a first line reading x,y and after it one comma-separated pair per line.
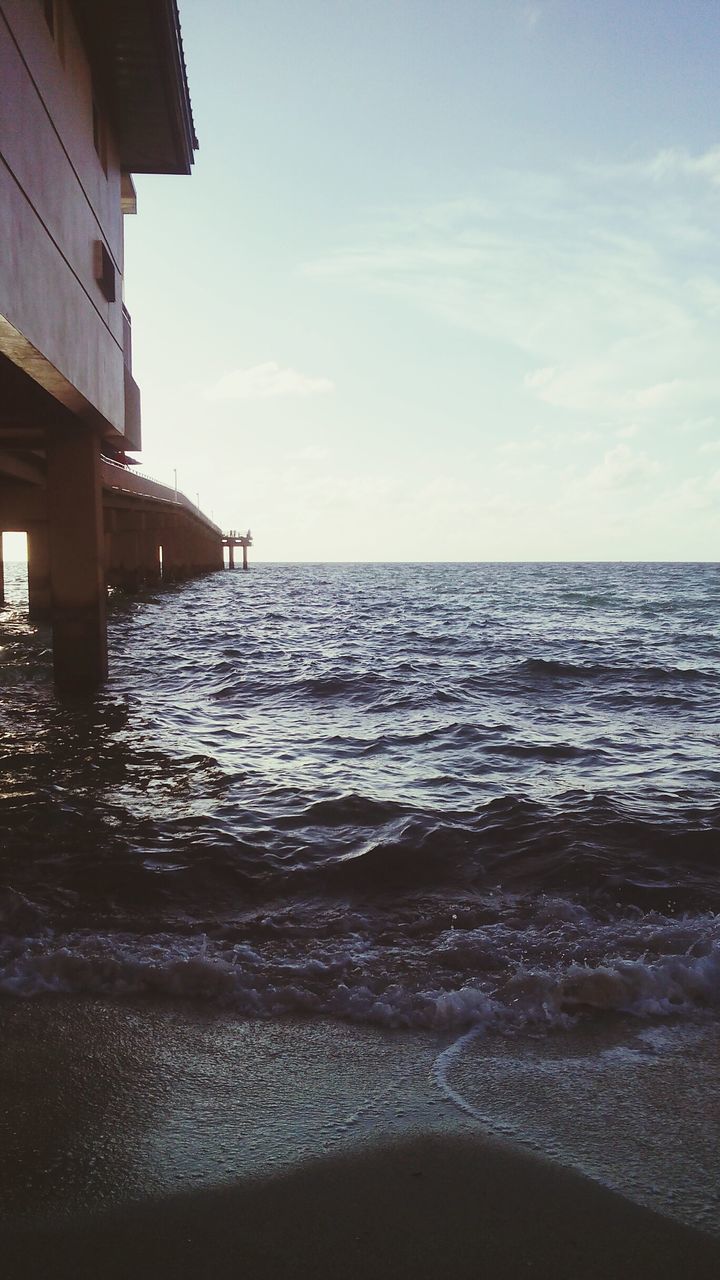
x,y
445,282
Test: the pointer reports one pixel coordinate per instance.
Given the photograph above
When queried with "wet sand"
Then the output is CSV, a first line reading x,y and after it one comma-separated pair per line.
x,y
426,1207
143,1141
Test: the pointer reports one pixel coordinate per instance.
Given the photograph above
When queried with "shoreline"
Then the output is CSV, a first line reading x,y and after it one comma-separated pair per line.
x,y
167,1141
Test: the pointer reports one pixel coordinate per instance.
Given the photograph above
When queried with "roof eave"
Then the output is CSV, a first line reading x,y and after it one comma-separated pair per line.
x,y
136,54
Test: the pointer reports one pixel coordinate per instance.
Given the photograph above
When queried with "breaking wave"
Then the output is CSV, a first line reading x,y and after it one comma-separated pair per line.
x,y
344,981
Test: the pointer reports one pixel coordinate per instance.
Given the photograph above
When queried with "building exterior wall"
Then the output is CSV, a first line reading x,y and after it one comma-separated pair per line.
x,y
58,200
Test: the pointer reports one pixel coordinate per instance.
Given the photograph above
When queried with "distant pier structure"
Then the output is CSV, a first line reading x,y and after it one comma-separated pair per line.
x,y
234,539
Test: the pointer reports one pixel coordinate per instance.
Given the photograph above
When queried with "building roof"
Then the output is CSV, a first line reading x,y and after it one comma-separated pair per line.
x,y
136,54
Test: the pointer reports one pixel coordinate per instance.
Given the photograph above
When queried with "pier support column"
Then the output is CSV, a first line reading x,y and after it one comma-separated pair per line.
x,y
149,540
175,554
123,569
122,549
76,558
198,552
39,584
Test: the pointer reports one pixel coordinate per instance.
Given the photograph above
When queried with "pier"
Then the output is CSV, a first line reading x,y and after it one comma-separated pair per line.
x,y
234,539
101,93
93,524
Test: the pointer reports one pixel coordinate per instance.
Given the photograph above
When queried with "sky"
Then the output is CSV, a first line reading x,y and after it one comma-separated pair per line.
x,y
445,281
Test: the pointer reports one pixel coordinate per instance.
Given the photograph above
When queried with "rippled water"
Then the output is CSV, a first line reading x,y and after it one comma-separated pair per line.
x,y
417,795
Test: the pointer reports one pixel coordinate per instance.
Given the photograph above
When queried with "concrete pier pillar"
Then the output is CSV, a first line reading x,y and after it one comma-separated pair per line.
x,y
231,556
77,576
214,554
110,526
39,582
189,545
122,564
198,558
149,540
174,554
122,560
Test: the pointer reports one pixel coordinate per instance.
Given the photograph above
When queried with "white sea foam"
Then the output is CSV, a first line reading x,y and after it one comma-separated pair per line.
x,y
345,982
441,1069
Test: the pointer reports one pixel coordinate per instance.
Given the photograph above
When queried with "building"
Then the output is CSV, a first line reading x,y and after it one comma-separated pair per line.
x,y
91,91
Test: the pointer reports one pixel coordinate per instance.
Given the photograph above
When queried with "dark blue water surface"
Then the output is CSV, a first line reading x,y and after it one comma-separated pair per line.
x,y
422,795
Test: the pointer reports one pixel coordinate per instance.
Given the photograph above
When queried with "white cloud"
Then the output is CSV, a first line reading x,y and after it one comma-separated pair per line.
x,y
609,288
659,394
622,467
532,13
668,165
521,448
584,387
593,296
692,425
674,162
265,382
310,454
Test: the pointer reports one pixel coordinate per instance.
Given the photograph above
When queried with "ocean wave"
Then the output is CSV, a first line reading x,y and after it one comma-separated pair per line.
x,y
652,673
354,845
340,986
414,793
352,809
283,686
548,751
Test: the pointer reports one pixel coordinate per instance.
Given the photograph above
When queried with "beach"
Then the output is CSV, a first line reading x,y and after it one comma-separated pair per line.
x,y
149,1141
359,909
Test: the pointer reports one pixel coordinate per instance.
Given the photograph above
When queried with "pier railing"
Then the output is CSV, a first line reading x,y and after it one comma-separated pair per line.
x,y
124,479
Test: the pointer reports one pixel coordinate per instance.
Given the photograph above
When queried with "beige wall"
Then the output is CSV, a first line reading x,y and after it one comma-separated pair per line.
x,y
56,201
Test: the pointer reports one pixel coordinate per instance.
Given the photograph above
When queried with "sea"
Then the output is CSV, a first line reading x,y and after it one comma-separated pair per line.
x,y
474,800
